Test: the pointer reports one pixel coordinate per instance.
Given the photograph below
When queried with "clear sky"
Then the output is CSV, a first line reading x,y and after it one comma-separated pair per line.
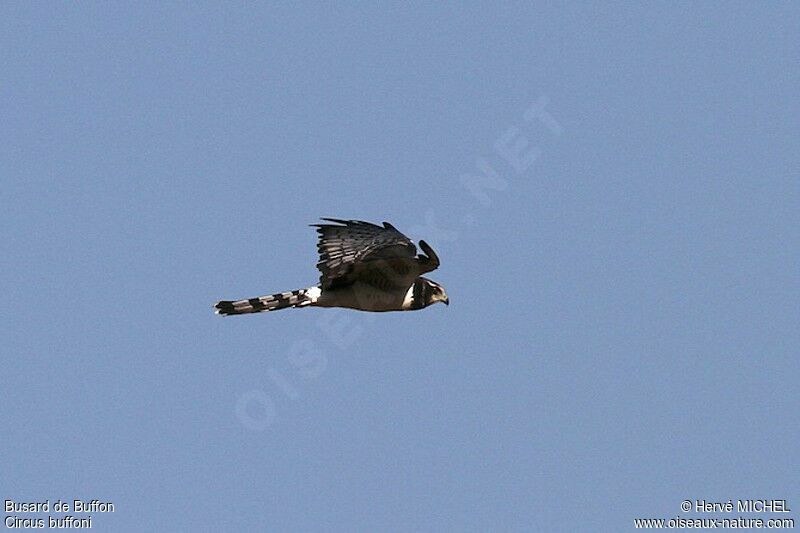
x,y
613,192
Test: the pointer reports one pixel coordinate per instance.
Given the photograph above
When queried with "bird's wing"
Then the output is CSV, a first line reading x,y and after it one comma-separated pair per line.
x,y
353,250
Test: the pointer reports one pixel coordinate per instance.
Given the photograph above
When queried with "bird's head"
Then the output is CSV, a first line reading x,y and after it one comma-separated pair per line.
x,y
434,292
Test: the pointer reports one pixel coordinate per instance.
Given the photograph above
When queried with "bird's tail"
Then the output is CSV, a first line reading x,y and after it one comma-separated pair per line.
x,y
273,302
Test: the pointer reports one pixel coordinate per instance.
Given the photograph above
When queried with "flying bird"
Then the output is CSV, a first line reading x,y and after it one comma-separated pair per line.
x,y
362,266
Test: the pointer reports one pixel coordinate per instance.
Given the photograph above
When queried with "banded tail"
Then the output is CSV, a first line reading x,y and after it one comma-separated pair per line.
x,y
272,302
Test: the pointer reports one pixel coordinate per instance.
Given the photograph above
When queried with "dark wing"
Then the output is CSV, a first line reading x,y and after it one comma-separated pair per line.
x,y
351,250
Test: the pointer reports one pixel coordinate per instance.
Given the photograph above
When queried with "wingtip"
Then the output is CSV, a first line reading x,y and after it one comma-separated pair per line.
x,y
344,222
327,219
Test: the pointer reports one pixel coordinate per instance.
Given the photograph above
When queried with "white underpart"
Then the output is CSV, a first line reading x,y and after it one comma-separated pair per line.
x,y
409,298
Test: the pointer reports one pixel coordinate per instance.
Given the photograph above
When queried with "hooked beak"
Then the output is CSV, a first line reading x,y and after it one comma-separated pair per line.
x,y
446,301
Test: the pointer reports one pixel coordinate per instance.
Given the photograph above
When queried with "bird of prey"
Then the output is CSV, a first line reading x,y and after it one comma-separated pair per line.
x,y
363,266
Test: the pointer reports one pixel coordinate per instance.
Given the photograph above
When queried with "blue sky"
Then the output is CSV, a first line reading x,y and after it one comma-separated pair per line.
x,y
622,333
